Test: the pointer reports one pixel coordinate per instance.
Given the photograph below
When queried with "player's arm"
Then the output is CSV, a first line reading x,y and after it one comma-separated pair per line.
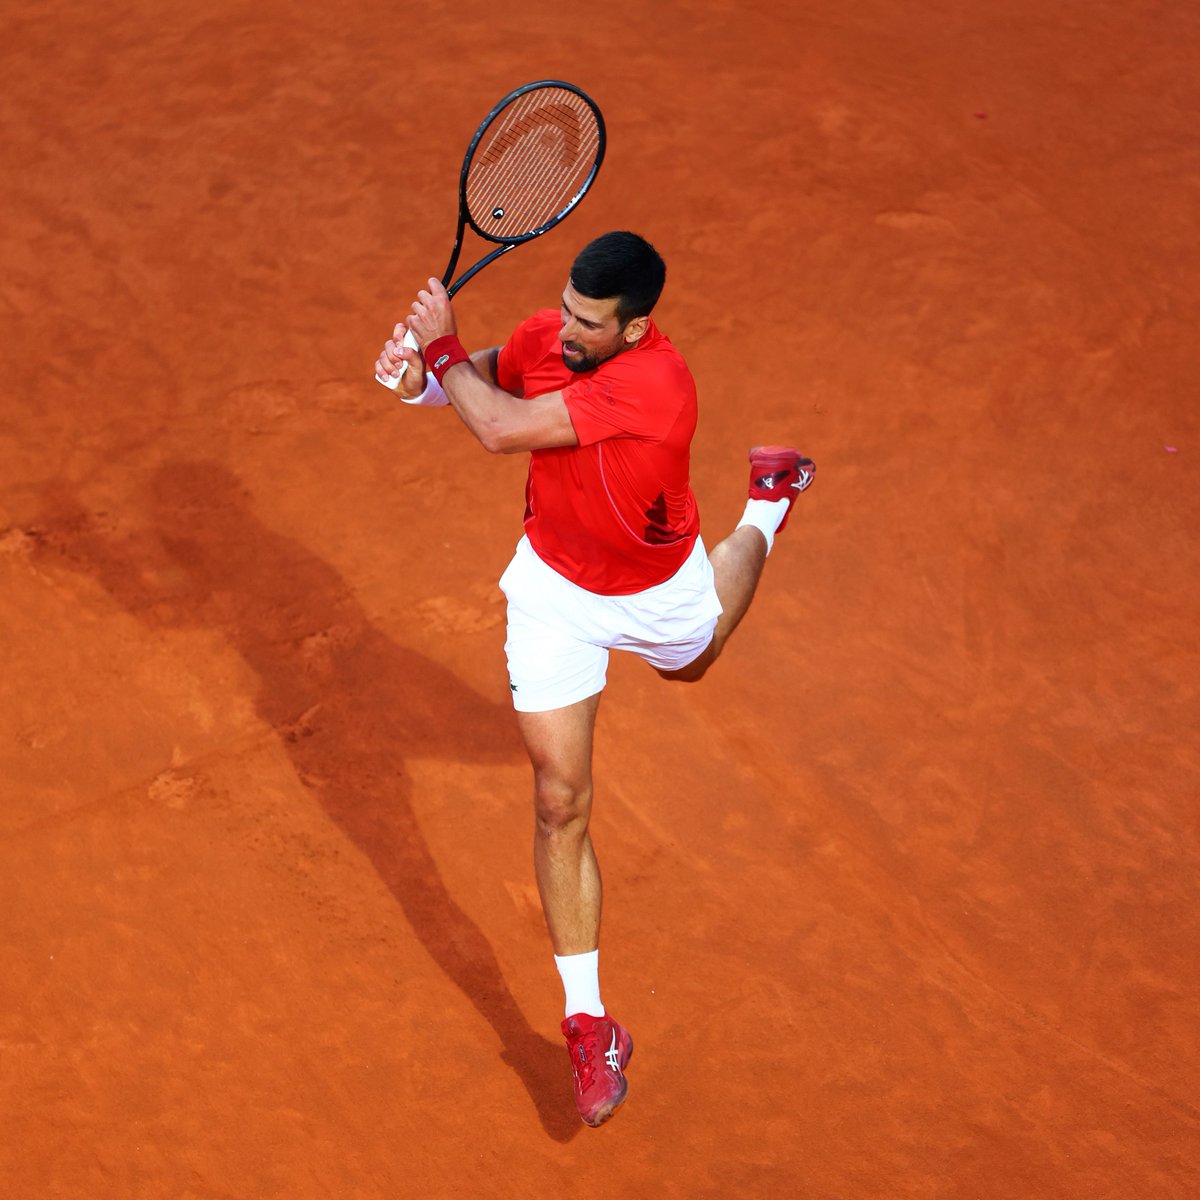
x,y
502,423
505,424
486,362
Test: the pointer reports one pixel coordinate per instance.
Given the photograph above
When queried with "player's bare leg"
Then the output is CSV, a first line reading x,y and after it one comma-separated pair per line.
x,y
560,748
559,743
777,477
737,564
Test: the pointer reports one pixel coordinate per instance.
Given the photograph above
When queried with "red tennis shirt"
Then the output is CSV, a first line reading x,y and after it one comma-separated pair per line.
x,y
615,514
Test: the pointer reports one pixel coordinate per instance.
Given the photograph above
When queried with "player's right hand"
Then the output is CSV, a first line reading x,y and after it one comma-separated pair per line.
x,y
433,314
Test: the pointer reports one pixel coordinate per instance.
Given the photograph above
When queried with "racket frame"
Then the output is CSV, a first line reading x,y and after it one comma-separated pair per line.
x,y
505,244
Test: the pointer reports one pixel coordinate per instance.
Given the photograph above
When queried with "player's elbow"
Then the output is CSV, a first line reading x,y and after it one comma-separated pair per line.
x,y
511,447
496,439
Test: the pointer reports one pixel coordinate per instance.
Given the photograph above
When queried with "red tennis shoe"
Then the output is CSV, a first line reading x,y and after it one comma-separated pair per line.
x,y
600,1050
779,473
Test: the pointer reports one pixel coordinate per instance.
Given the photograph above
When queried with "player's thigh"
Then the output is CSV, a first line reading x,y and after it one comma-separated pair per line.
x,y
559,743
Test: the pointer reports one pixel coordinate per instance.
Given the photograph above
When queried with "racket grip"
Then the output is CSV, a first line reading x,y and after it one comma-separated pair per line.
x,y
393,381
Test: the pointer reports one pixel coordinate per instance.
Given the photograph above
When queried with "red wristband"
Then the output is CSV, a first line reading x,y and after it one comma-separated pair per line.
x,y
443,353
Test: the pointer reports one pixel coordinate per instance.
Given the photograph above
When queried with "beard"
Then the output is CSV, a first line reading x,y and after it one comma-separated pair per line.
x,y
587,362
580,365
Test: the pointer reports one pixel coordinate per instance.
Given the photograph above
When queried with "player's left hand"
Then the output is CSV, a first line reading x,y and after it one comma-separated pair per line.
x,y
397,357
433,316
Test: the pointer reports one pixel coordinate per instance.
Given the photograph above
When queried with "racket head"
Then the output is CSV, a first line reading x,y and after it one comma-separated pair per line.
x,y
531,161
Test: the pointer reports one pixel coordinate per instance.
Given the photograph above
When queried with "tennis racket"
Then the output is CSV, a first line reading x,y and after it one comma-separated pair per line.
x,y
529,164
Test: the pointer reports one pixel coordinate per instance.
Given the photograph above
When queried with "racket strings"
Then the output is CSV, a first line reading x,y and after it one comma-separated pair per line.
x,y
552,114
535,163
547,141
531,169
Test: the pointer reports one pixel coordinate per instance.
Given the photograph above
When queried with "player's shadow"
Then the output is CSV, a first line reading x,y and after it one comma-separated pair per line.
x,y
349,706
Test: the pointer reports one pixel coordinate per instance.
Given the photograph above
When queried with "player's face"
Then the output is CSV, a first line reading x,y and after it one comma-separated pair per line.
x,y
590,330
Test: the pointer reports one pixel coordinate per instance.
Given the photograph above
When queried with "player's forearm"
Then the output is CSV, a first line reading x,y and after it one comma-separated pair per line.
x,y
492,415
501,423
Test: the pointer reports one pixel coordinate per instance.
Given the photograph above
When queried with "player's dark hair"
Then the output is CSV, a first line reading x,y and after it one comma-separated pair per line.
x,y
623,265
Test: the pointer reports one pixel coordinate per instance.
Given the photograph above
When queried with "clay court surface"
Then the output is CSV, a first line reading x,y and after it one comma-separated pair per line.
x,y
900,902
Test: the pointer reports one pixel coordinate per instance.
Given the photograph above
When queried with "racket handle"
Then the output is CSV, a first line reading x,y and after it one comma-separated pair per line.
x,y
393,381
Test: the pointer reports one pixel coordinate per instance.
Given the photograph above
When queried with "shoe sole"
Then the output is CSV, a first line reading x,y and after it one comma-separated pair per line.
x,y
788,454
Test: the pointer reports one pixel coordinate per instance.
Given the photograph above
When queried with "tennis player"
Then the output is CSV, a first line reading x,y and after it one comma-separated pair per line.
x,y
611,559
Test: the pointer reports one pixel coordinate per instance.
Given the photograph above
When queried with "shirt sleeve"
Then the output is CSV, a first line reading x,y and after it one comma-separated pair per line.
x,y
509,373
522,350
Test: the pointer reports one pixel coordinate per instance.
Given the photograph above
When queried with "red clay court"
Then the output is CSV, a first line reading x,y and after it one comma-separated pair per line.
x,y
900,902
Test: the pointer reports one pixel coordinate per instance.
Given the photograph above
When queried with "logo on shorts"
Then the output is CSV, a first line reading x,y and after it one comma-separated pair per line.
x,y
512,687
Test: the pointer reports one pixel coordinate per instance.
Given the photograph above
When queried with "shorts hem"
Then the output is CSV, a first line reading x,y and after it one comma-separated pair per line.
x,y
524,705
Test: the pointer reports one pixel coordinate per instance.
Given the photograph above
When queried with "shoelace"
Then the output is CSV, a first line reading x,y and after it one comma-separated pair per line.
x,y
585,1070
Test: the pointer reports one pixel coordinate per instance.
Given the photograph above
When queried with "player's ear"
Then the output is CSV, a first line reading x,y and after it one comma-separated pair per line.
x,y
635,330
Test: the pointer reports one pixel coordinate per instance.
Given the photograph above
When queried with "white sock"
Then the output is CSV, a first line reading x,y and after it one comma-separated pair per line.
x,y
581,982
766,516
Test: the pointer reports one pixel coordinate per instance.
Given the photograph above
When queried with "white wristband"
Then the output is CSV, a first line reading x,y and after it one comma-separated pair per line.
x,y
434,395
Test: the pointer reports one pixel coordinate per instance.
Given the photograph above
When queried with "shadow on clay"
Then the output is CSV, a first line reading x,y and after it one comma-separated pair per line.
x,y
347,703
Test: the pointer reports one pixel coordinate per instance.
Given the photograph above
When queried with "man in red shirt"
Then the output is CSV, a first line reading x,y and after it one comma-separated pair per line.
x,y
611,559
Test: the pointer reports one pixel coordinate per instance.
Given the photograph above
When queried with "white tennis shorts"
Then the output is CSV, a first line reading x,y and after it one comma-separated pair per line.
x,y
559,634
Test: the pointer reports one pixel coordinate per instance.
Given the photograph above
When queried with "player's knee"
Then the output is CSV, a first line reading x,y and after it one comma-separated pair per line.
x,y
561,805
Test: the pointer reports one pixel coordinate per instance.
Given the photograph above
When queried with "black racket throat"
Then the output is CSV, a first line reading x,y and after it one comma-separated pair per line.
x,y
530,163
469,274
